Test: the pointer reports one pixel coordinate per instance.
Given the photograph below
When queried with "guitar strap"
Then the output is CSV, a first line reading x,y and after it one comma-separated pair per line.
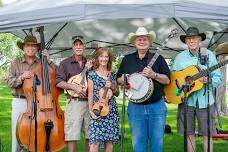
x,y
201,60
153,59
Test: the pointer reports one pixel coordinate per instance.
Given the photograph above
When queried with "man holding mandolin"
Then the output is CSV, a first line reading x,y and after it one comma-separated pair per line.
x,y
147,119
196,102
71,76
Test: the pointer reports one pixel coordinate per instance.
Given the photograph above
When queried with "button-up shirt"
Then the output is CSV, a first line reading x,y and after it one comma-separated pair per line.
x,y
16,69
185,59
68,68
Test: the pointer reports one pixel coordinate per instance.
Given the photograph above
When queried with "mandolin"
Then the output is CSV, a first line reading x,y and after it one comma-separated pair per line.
x,y
80,79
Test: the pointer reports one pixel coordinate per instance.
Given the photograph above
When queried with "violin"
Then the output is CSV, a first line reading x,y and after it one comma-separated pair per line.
x,y
101,108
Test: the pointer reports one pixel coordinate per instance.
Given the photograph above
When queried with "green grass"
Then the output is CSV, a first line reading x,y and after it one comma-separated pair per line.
x,y
172,143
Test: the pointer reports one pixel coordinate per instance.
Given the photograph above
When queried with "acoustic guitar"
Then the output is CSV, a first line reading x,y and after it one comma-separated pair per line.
x,y
189,77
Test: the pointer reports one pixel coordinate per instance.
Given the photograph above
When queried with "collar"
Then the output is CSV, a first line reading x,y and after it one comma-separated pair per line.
x,y
193,55
73,60
23,59
145,57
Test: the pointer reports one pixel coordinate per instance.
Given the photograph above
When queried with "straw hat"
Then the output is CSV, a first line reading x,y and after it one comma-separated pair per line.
x,y
141,31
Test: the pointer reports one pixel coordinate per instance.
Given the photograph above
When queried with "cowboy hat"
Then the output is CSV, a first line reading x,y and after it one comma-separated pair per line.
x,y
141,31
192,31
29,39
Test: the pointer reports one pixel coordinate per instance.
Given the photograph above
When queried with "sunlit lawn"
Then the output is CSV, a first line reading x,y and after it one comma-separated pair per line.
x,y
172,143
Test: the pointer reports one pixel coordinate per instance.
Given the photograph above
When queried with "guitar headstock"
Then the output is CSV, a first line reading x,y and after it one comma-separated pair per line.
x,y
173,33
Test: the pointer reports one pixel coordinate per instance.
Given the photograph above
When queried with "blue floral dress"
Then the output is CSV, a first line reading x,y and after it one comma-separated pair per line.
x,y
104,128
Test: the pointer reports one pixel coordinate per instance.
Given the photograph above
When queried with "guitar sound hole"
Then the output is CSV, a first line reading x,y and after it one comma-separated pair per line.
x,y
191,86
191,83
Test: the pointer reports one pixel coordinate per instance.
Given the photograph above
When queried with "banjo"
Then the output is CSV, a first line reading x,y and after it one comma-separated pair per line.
x,y
141,88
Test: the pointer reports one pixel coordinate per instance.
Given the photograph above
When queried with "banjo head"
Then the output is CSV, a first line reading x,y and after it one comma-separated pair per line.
x,y
141,88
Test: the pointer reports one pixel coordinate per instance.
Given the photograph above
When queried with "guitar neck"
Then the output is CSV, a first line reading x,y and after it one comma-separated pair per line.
x,y
212,68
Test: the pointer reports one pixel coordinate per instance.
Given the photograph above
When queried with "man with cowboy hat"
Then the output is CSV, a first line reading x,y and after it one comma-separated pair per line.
x,y
196,102
146,119
19,70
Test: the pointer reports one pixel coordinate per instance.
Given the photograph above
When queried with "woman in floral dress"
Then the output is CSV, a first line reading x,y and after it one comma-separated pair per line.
x,y
103,129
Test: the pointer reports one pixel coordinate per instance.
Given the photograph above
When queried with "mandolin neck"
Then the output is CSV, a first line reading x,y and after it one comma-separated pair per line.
x,y
83,74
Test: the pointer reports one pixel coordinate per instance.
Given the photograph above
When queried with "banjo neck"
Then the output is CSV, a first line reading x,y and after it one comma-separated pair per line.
x,y
171,35
153,59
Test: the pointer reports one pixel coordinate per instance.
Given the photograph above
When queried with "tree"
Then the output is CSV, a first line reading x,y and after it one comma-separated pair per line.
x,y
8,51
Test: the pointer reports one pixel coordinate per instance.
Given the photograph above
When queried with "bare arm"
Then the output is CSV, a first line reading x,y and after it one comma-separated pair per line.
x,y
90,99
75,87
65,85
113,86
162,78
90,94
120,80
115,89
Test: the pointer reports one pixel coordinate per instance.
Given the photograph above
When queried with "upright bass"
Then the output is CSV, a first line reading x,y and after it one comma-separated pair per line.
x,y
43,130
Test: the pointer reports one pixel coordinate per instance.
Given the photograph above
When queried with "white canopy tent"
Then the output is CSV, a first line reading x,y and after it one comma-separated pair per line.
x,y
109,21
27,13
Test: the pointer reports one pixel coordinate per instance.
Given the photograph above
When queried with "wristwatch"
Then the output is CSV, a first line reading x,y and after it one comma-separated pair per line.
x,y
155,76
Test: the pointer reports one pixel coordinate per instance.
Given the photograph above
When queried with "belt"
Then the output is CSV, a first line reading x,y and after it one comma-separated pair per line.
x,y
77,98
17,96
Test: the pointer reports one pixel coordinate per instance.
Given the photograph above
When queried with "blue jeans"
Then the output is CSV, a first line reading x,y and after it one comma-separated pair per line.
x,y
147,123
